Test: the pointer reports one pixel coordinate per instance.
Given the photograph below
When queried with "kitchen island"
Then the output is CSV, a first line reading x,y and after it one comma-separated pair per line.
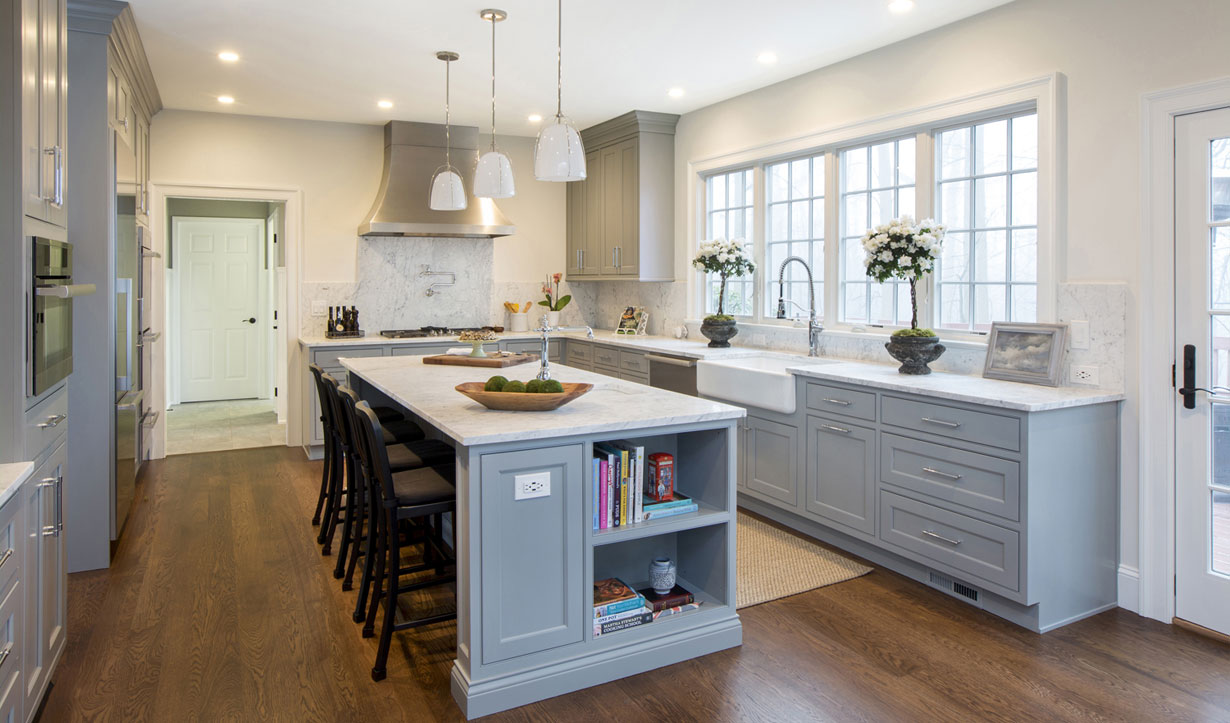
x,y
526,567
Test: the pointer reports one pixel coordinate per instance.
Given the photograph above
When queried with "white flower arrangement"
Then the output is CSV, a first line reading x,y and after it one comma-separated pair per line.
x,y
903,249
725,258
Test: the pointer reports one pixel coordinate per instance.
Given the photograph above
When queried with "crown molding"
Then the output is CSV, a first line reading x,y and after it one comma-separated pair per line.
x,y
115,19
628,125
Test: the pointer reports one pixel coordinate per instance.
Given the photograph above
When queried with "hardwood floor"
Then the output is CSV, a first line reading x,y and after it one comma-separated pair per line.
x,y
219,607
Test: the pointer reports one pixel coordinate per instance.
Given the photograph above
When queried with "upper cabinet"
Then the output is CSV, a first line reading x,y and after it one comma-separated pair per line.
x,y
621,220
44,127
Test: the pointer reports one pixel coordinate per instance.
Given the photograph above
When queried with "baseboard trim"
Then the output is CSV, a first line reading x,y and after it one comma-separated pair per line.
x,y
1201,630
1129,588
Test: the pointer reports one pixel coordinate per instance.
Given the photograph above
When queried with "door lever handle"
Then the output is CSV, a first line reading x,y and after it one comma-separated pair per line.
x,y
250,320
1189,388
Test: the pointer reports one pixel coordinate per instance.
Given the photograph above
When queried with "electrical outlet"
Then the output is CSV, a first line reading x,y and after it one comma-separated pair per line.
x,y
1086,374
319,307
1080,334
529,486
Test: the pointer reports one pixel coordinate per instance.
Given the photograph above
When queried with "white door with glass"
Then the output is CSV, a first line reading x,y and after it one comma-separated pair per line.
x,y
219,265
1202,325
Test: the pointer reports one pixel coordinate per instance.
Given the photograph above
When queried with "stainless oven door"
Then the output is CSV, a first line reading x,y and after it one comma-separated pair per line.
x,y
51,342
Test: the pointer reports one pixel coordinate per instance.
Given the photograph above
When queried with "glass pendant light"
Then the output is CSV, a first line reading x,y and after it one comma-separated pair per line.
x,y
448,193
559,154
493,178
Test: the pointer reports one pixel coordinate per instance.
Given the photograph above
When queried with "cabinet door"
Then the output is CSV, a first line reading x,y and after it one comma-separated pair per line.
x,y
576,228
611,172
31,131
121,111
591,251
772,461
530,565
627,252
53,57
43,573
142,139
841,474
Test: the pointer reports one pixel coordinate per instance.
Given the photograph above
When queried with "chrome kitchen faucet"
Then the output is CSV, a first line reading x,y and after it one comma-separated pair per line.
x,y
544,368
813,326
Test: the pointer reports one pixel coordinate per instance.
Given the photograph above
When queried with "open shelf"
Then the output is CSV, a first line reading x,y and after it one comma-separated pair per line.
x,y
710,607
706,515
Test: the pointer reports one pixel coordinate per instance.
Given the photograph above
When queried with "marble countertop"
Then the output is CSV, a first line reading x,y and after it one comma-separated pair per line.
x,y
689,348
612,405
957,387
11,477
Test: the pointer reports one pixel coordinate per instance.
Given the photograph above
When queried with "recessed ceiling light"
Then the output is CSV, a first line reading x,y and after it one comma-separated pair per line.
x,y
225,99
534,118
675,92
386,104
768,57
901,6
227,56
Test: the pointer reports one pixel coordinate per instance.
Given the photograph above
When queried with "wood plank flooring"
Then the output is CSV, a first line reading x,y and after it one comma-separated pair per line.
x,y
219,607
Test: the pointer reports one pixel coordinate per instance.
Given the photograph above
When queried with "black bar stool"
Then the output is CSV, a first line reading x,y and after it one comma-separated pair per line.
x,y
410,495
402,456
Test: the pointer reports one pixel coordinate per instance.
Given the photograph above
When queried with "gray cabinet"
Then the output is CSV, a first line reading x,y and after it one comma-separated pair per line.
x,y
772,459
44,574
532,595
621,217
841,474
44,118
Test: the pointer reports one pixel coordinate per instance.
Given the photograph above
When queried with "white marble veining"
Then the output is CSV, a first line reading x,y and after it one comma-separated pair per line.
x,y
959,387
611,406
11,478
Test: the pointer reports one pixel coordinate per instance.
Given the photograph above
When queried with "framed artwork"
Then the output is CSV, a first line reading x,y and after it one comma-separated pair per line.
x,y
634,320
1030,353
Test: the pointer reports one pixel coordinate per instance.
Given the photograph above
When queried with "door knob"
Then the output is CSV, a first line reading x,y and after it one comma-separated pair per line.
x,y
251,320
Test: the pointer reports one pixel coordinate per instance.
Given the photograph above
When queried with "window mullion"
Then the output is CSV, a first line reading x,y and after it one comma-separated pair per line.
x,y
760,218
832,239
924,207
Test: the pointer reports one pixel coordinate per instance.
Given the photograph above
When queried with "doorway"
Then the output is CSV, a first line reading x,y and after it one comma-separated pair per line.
x,y
1202,326
226,294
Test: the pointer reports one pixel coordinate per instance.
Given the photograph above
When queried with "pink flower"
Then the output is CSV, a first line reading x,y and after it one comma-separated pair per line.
x,y
556,277
546,288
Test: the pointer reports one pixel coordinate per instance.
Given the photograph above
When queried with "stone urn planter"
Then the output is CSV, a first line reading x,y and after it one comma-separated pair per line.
x,y
914,352
719,332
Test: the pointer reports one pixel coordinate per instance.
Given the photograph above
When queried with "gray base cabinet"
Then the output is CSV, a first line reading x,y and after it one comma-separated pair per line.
x,y
1014,512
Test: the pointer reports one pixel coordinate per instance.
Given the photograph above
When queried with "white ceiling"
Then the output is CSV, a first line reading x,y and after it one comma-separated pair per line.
x,y
330,60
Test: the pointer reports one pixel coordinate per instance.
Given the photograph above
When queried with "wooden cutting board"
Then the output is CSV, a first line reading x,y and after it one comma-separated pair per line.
x,y
492,360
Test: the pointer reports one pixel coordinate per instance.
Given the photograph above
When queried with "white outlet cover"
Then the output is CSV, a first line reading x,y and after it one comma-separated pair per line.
x,y
319,308
1080,333
529,486
1086,375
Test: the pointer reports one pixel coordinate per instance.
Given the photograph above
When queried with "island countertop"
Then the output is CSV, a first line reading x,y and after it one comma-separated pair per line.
x,y
612,405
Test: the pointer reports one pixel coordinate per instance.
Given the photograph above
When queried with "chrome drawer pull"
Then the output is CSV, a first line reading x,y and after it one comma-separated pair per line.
x,y
831,428
842,402
5,557
4,654
941,422
52,421
941,538
939,473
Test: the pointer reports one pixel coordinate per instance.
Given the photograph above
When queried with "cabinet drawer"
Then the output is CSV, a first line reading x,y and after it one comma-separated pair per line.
x,y
329,357
836,400
960,543
580,352
420,349
604,357
10,542
11,690
995,430
973,480
633,361
45,422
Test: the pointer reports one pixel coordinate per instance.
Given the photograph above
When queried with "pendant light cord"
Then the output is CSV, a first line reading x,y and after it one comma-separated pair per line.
x,y
493,81
448,81
559,61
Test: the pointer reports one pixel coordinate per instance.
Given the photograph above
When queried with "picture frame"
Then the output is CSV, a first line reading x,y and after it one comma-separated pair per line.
x,y
633,321
1029,353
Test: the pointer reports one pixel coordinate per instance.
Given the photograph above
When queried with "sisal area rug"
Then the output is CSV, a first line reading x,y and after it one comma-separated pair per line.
x,y
773,563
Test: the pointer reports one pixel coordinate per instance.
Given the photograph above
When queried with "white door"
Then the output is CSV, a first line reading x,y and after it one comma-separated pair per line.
x,y
1202,321
219,262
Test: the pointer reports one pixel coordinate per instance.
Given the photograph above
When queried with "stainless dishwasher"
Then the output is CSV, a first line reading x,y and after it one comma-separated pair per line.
x,y
674,374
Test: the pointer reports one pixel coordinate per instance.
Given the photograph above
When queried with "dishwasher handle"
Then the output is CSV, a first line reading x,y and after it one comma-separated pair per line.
x,y
674,361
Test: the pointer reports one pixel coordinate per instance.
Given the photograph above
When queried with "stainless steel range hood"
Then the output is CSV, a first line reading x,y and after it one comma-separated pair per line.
x,y
412,153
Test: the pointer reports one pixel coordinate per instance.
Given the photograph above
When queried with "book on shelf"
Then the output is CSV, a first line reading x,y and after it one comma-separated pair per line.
x,y
666,612
630,622
635,456
595,469
678,595
676,500
613,595
671,511
601,499
630,612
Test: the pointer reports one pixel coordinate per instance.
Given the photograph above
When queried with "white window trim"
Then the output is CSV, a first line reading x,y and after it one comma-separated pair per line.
x,y
1047,95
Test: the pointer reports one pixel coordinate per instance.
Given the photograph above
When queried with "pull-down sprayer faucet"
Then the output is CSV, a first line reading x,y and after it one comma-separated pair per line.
x,y
813,326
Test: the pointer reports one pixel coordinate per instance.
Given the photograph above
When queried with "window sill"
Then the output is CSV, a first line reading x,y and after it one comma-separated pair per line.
x,y
880,335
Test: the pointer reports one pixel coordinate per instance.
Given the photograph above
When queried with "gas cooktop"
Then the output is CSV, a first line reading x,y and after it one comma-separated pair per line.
x,y
426,331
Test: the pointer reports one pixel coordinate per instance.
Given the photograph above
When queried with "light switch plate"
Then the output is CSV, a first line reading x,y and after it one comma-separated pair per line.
x,y
529,486
1080,333
319,307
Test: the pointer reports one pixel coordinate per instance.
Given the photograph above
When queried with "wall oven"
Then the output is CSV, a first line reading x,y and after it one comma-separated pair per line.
x,y
51,323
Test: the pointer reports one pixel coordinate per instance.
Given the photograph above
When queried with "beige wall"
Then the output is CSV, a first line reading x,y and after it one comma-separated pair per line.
x,y
1111,51
337,166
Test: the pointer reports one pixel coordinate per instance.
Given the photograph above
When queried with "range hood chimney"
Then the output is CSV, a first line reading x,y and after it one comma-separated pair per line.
x,y
412,153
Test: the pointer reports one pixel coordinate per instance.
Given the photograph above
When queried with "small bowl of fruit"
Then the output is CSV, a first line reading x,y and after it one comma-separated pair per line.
x,y
536,395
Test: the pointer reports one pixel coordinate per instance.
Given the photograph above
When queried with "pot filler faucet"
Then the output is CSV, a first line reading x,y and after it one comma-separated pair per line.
x,y
544,368
813,326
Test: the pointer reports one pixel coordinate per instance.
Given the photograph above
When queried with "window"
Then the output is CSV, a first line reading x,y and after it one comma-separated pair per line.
x,y
987,196
795,204
729,199
877,185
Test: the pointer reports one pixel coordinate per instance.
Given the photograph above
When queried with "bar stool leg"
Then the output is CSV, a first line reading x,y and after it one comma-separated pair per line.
x,y
359,505
382,535
351,510
324,486
369,558
379,670
332,502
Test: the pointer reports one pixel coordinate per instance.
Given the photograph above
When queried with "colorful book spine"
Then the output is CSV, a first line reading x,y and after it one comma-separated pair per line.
x,y
604,520
639,486
666,612
617,490
671,512
650,507
610,492
621,615
623,485
632,603
624,624
595,502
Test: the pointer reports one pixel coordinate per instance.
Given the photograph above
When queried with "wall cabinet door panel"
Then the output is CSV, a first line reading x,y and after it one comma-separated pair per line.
x,y
841,473
629,243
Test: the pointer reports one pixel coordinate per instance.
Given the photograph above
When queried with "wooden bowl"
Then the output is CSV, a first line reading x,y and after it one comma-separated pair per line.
x,y
522,401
